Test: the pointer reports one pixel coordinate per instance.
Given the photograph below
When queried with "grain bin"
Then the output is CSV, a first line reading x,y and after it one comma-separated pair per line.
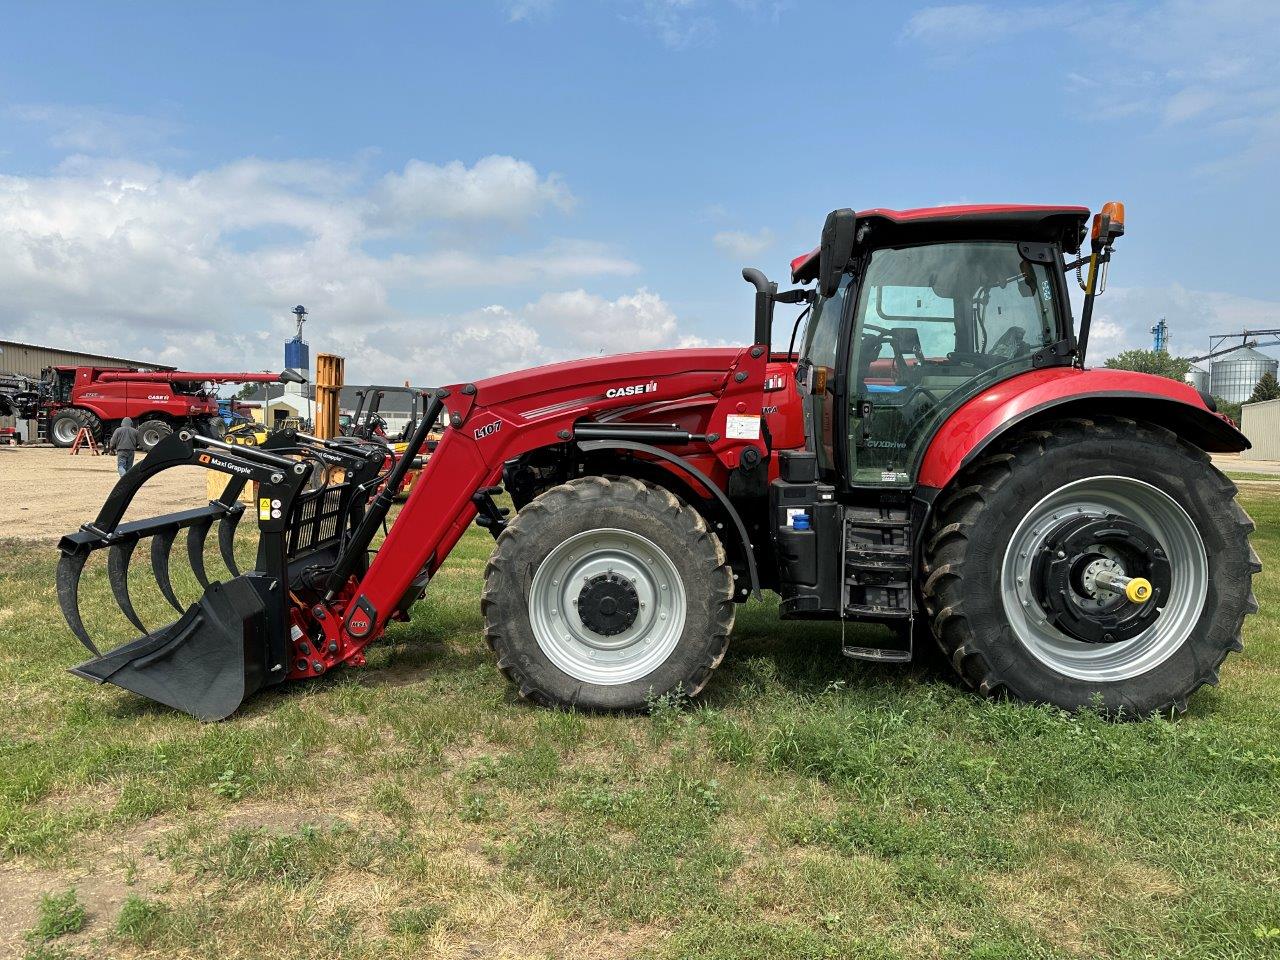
x,y
1198,378
1234,376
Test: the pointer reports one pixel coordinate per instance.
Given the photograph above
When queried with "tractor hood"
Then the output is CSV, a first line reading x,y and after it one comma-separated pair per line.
x,y
631,378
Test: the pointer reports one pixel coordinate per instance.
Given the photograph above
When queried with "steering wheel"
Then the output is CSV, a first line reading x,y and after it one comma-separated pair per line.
x,y
885,335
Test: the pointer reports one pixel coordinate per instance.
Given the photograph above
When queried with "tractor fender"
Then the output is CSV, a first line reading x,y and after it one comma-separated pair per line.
x,y
743,544
1057,392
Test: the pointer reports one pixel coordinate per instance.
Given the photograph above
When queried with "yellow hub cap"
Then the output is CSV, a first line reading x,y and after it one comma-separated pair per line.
x,y
1138,590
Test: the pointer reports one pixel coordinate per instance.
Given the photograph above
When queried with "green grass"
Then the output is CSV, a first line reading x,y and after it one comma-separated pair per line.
x,y
60,914
808,806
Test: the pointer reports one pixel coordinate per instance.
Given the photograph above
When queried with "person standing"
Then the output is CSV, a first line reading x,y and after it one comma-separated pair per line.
x,y
124,444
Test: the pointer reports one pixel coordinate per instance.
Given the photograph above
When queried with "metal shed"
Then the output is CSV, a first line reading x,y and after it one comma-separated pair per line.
x,y
1260,422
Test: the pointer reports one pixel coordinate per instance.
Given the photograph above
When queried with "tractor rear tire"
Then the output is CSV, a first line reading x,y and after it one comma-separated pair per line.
x,y
1005,632
151,432
67,423
605,594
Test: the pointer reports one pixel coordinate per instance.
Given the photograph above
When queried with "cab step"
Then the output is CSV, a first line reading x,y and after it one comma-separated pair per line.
x,y
877,562
878,654
877,577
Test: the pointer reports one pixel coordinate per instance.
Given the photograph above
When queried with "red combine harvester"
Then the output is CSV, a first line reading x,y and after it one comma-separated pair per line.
x,y
67,399
935,458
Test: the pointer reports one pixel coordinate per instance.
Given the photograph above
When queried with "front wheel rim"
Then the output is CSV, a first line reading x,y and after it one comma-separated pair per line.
x,y
1163,518
615,556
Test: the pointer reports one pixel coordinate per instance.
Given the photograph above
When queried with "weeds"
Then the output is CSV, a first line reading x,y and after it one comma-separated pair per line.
x,y
60,914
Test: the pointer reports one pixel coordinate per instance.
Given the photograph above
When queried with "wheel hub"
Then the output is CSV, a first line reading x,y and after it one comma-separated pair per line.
x,y
1066,572
608,604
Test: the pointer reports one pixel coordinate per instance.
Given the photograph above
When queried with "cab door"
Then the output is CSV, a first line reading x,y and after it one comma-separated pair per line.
x,y
932,325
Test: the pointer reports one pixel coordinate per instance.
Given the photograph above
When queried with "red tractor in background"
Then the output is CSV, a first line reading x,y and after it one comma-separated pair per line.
x,y
935,458
67,399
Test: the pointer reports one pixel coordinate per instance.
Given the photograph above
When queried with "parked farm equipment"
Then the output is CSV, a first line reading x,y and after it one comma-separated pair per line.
x,y
68,399
936,458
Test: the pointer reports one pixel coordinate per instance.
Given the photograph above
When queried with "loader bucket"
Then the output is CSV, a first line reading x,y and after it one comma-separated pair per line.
x,y
238,637
206,662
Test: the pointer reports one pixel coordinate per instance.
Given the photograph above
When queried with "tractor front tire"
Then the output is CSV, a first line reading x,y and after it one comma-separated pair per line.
x,y
1018,541
605,594
151,432
65,424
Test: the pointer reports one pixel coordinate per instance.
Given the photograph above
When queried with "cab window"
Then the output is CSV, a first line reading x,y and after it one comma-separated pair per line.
x,y
818,361
935,324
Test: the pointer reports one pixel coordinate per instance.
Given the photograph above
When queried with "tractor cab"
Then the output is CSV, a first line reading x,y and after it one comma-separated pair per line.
x,y
933,307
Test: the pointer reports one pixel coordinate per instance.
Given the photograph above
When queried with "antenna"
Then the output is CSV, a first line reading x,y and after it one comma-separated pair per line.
x,y
301,313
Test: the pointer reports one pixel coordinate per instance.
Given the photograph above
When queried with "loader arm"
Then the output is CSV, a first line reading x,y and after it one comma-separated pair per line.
x,y
496,420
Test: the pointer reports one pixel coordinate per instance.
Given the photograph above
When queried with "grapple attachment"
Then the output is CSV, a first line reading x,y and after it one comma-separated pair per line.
x,y
240,635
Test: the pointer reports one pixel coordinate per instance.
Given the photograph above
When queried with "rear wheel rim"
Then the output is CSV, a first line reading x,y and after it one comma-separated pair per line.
x,y
65,430
1161,516
619,556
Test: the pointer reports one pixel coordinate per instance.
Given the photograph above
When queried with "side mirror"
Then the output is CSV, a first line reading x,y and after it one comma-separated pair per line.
x,y
836,249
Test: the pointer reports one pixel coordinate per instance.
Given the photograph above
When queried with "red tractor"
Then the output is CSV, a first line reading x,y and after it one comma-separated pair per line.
x,y
159,402
935,458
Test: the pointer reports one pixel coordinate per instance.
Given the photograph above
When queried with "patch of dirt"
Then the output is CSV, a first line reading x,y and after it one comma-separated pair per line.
x,y
116,865
124,865
49,493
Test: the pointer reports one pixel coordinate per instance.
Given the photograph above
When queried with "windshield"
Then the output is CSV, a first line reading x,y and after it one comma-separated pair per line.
x,y
967,298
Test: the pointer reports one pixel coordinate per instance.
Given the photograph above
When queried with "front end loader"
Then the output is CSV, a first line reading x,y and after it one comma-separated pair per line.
x,y
930,454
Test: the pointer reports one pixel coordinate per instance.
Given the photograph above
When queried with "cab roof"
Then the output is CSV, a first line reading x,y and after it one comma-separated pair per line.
x,y
1014,221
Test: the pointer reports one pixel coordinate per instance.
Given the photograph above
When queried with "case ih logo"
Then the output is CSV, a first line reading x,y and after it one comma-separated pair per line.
x,y
157,396
634,390
488,429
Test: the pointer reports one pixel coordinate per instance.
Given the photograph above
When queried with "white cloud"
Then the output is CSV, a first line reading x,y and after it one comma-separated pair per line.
x,y
522,10
740,245
95,130
678,24
495,188
1209,66
498,339
1124,316
200,269
952,30
583,323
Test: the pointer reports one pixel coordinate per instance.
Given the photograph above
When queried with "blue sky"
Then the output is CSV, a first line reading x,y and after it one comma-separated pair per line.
x,y
457,189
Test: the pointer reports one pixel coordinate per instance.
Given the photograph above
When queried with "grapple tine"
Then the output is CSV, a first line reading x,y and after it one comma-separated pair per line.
x,y
227,540
161,544
118,573
195,550
68,579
